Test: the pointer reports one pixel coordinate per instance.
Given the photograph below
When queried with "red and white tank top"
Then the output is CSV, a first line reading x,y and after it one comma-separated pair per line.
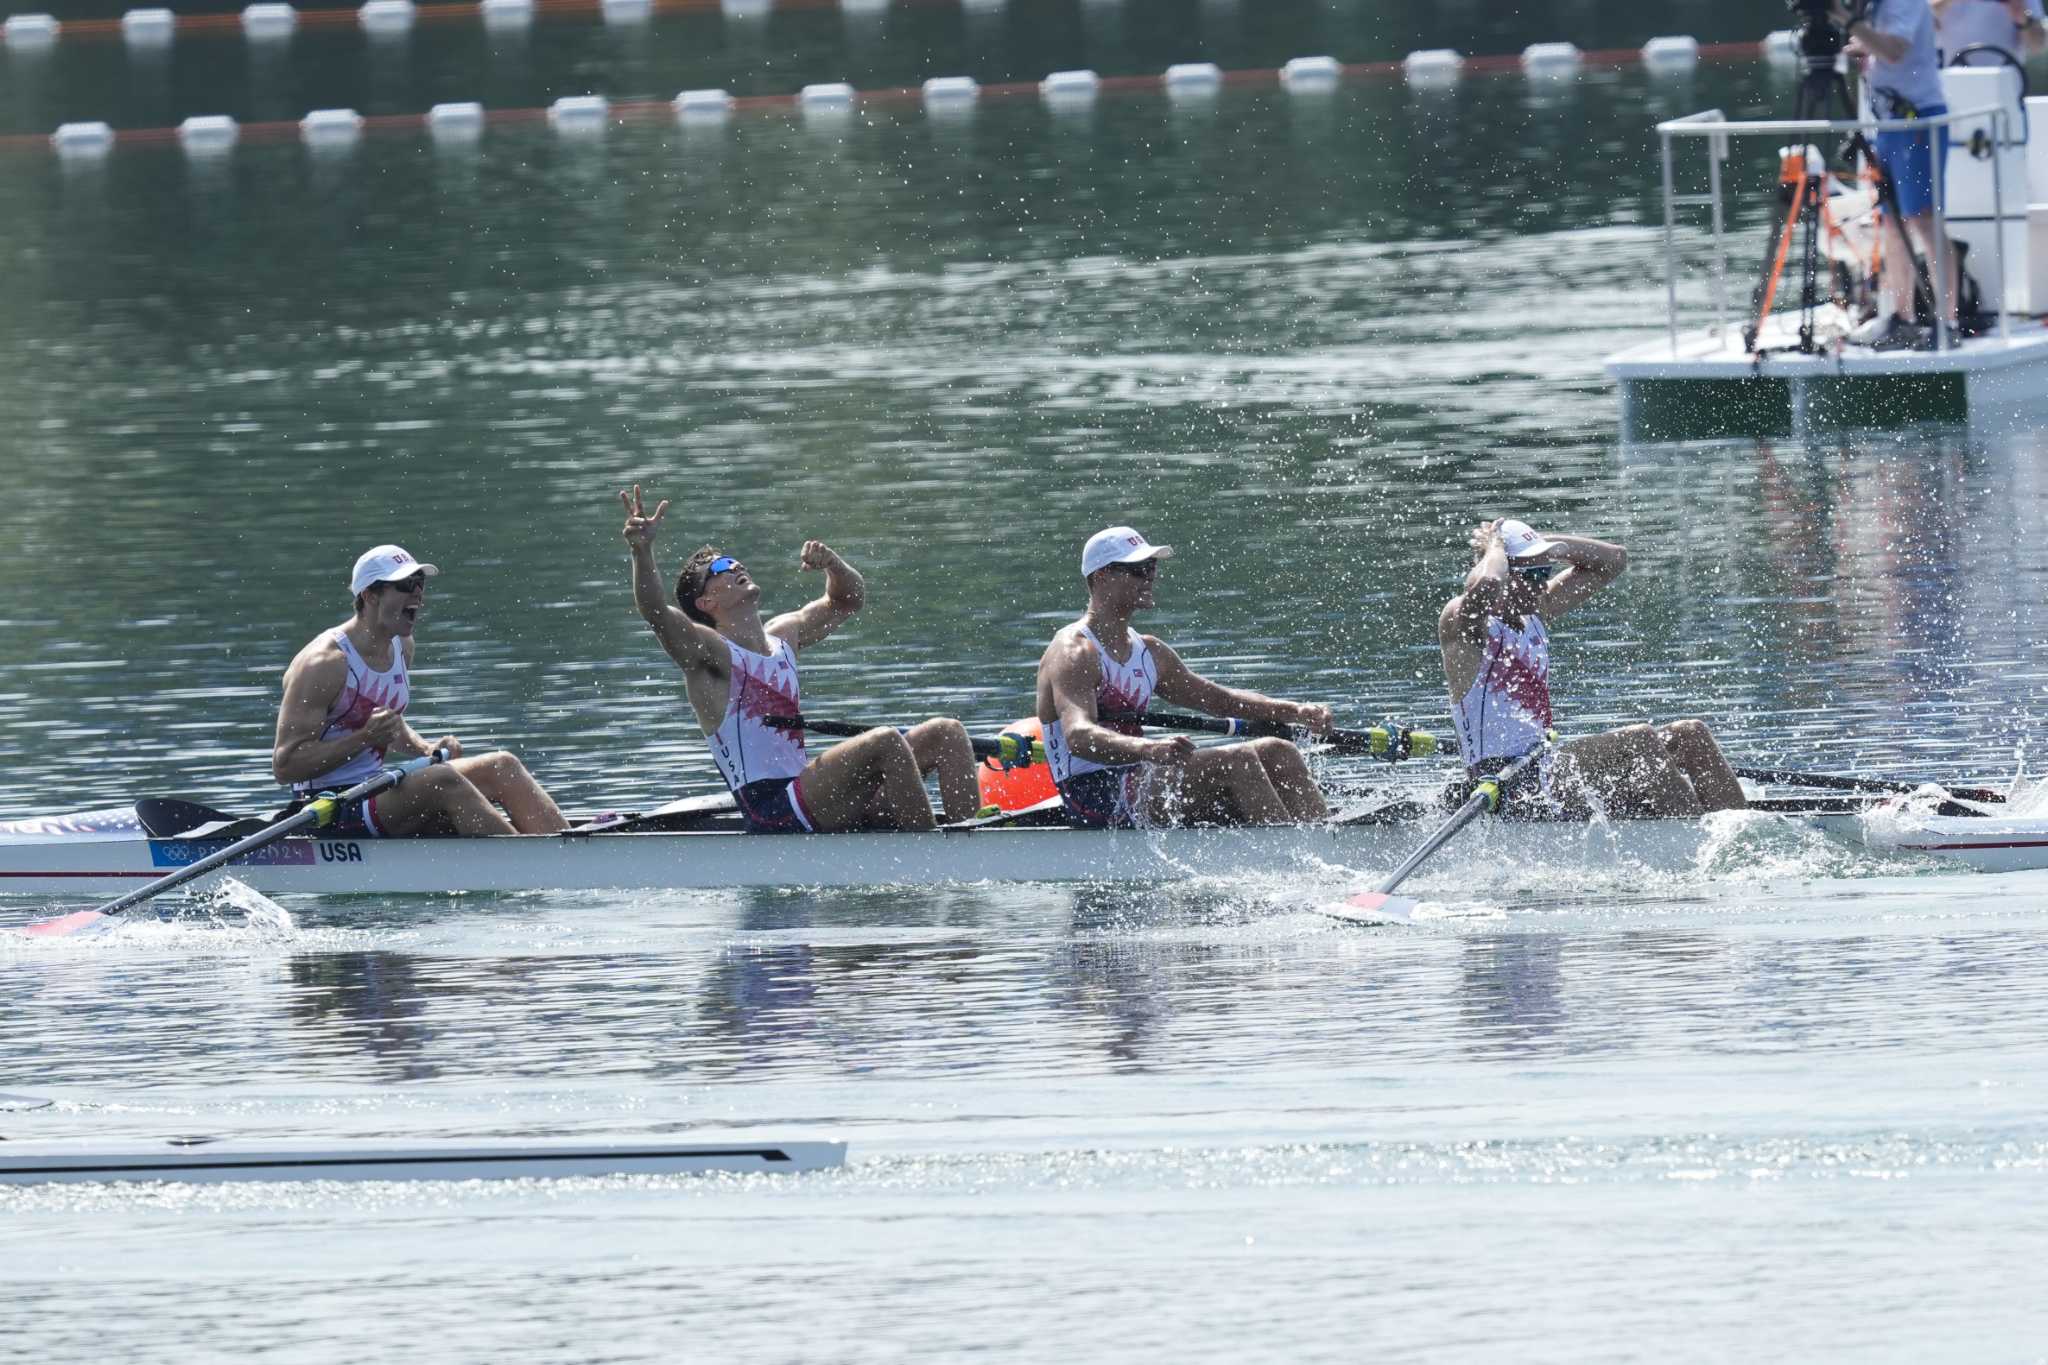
x,y
366,690
1506,712
1125,687
747,748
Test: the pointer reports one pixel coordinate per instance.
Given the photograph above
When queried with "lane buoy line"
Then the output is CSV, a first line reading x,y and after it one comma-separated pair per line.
x,y
588,113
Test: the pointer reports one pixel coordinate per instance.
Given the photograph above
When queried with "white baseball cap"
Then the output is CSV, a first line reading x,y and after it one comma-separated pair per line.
x,y
1523,543
1119,545
385,564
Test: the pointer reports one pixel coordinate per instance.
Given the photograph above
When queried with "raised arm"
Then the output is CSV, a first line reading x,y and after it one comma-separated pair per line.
x,y
691,644
1075,675
1183,686
1590,565
845,594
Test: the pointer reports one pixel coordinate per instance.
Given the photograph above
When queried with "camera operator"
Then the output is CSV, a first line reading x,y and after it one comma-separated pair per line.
x,y
2014,26
1903,78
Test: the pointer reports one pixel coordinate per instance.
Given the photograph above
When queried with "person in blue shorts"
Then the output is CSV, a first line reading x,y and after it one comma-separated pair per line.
x,y
1903,78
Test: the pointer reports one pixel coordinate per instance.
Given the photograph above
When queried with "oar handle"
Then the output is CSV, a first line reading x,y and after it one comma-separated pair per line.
x,y
1392,743
1008,749
320,811
1485,797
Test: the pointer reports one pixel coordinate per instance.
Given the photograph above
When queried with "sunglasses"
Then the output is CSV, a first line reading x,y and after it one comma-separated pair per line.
x,y
1144,569
1535,575
417,583
722,564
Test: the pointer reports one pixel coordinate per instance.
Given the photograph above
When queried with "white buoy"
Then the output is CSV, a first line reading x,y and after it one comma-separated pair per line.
x,y
702,106
628,11
1433,66
1070,88
30,32
331,127
745,9
1311,75
269,22
580,114
1193,80
82,139
1672,53
385,16
951,93
829,100
1550,59
459,121
507,13
1781,46
202,134
147,27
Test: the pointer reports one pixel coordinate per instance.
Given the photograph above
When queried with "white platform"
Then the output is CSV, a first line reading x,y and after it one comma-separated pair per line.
x,y
1712,386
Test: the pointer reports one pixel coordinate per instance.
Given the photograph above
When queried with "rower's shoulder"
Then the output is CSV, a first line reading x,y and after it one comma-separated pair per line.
x,y
323,650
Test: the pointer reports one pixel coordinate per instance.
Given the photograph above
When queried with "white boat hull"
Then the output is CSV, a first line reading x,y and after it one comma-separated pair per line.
x,y
78,866
213,1163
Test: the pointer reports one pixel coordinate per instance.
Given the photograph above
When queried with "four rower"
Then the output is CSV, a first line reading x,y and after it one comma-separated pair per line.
x,y
1496,652
1094,682
346,693
343,714
741,674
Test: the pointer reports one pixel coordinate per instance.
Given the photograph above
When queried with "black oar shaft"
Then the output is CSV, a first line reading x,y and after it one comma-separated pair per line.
x,y
1385,742
311,814
1833,782
1007,750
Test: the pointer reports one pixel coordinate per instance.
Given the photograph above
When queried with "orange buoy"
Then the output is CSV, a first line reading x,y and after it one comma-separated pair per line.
x,y
1020,784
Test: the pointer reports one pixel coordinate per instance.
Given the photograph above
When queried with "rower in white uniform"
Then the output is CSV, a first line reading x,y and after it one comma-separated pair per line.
x,y
740,673
343,718
1496,652
1098,673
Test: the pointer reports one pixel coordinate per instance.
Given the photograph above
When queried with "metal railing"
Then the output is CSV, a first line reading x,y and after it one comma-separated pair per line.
x,y
1712,125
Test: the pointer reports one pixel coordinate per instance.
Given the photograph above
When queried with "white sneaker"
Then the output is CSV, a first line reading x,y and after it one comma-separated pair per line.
x,y
1875,332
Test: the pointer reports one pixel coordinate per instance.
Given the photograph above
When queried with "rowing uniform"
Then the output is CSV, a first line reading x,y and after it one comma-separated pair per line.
x,y
762,763
1097,795
1506,713
366,690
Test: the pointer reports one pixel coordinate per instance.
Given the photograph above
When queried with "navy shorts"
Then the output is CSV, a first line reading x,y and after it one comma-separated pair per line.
x,y
1104,798
1908,158
774,805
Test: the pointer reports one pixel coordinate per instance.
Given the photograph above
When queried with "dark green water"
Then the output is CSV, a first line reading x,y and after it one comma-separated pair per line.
x,y
1786,1107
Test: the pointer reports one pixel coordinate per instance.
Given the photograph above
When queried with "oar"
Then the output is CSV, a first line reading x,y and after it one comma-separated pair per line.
x,y
1381,904
1007,748
320,811
1831,782
1380,741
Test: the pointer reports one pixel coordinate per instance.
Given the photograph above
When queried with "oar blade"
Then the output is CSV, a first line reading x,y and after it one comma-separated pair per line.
x,y
1372,908
65,926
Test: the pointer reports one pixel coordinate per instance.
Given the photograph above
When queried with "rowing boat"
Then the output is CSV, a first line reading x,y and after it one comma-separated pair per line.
x,y
202,1161
106,852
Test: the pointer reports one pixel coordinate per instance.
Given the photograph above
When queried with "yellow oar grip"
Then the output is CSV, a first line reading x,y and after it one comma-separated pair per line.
x,y
1490,789
324,809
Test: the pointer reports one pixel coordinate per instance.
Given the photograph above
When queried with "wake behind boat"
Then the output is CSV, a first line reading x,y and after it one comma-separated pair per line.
x,y
108,851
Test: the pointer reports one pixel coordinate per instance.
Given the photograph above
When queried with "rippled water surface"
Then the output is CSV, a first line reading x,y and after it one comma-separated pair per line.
x,y
1787,1103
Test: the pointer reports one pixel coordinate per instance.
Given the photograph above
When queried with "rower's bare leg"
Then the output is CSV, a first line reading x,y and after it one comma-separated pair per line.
x,y
873,773
1227,784
1287,769
504,781
1628,772
1692,747
942,744
436,798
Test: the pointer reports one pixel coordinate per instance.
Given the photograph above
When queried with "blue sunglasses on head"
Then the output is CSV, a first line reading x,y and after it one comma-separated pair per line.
x,y
722,564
